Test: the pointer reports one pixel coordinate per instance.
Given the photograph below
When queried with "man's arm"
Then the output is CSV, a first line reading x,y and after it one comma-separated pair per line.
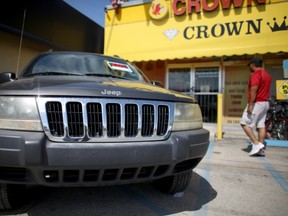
x,y
253,92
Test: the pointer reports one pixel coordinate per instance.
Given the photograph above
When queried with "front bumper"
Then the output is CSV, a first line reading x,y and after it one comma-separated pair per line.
x,y
30,158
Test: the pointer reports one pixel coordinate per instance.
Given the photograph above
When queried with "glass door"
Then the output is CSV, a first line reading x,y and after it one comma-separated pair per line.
x,y
200,81
206,90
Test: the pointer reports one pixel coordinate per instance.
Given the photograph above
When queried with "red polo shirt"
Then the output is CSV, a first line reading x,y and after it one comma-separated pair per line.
x,y
262,79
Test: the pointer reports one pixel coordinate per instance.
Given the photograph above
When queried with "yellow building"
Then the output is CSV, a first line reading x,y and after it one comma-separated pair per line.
x,y
201,47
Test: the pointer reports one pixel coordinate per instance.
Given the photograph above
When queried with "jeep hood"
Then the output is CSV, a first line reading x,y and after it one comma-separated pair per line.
x,y
75,86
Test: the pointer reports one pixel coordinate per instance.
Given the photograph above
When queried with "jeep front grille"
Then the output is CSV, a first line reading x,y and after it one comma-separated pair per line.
x,y
103,120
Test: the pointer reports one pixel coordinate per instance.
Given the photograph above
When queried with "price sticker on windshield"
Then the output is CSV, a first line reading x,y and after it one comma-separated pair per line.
x,y
119,66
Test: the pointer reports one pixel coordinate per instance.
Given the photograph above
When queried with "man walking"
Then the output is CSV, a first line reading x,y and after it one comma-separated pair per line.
x,y
254,114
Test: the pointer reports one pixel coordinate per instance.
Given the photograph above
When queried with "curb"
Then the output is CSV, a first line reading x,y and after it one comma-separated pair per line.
x,y
277,143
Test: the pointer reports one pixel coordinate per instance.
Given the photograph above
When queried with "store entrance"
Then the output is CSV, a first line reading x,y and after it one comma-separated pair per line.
x,y
201,82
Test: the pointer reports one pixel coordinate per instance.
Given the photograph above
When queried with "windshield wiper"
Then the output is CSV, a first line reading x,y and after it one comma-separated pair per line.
x,y
52,73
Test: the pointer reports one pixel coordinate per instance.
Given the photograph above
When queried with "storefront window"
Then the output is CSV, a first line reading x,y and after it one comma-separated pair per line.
x,y
235,93
207,80
277,73
180,79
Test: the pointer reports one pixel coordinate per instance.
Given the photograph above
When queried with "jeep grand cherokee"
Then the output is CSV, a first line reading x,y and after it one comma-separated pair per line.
x,y
84,119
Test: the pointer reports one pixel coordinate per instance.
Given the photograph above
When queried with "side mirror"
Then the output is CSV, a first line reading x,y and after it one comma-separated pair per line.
x,y
157,83
7,77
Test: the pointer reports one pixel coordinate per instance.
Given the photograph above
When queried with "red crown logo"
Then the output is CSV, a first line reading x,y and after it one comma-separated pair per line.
x,y
277,27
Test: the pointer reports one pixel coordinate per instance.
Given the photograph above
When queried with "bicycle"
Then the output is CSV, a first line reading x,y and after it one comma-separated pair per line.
x,y
277,120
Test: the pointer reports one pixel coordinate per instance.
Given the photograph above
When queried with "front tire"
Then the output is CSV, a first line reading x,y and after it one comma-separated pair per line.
x,y
174,184
10,196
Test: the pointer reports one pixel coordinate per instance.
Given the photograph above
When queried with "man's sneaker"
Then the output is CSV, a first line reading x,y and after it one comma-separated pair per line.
x,y
256,149
261,153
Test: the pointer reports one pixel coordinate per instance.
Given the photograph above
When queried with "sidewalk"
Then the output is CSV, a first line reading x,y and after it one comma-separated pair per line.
x,y
235,131
228,130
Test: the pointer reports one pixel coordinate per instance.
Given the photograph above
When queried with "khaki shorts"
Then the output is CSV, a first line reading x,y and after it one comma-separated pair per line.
x,y
258,116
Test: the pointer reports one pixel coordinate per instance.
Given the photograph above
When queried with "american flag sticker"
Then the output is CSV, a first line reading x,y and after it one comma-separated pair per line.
x,y
119,66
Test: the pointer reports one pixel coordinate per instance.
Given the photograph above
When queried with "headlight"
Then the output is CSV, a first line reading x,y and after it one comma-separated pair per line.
x,y
187,116
19,113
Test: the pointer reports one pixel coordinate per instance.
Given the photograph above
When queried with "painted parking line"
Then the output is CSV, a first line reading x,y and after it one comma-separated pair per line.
x,y
206,175
282,181
210,150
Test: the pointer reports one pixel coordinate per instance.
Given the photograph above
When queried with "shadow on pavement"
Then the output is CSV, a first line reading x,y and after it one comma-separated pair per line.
x,y
136,199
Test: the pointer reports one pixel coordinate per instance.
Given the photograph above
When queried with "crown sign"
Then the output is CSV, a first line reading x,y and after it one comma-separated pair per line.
x,y
277,27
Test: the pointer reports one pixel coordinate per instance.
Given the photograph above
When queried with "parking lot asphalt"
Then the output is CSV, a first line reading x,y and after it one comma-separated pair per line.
x,y
226,182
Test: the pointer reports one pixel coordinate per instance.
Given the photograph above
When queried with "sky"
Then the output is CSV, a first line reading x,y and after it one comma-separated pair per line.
x,y
93,9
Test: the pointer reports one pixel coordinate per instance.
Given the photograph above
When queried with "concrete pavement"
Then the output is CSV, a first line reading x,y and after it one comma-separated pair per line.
x,y
245,185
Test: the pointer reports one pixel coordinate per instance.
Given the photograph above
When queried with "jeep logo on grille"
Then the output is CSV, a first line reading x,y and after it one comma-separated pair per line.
x,y
108,92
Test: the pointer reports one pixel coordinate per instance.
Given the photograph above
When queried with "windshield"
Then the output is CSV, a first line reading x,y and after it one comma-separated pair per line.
x,y
83,64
